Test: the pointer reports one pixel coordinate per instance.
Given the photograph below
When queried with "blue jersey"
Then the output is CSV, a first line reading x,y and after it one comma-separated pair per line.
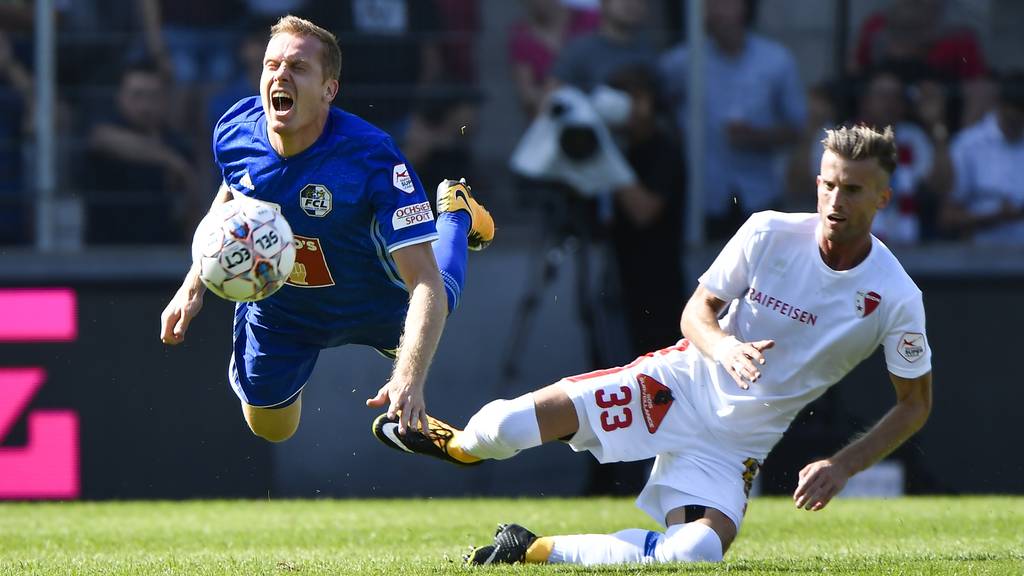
x,y
351,199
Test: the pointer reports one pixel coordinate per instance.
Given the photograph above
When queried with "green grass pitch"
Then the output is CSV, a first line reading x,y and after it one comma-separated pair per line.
x,y
944,536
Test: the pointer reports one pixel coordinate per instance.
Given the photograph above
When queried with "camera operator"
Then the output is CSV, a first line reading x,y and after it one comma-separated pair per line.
x,y
640,181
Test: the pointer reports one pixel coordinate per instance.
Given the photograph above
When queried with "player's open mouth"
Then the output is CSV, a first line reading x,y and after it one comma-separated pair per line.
x,y
281,101
835,218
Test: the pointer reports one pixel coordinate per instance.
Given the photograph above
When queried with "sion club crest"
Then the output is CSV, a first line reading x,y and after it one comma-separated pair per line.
x,y
866,302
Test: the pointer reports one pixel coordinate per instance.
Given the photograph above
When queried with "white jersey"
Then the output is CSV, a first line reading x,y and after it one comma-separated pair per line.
x,y
824,322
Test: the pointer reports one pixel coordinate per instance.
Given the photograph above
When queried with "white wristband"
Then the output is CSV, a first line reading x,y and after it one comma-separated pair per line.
x,y
723,347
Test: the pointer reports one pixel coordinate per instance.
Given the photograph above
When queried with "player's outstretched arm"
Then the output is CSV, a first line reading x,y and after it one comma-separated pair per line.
x,y
820,481
424,323
188,300
182,308
700,325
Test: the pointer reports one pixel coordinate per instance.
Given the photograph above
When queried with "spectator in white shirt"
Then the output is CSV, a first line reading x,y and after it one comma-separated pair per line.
x,y
987,200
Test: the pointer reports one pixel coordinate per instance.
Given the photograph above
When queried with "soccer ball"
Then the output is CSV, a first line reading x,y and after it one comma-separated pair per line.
x,y
244,249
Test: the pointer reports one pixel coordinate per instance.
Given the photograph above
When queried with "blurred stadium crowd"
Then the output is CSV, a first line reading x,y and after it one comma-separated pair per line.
x,y
460,84
142,82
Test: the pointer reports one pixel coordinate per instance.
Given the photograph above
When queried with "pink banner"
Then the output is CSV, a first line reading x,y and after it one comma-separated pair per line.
x,y
17,387
38,315
47,465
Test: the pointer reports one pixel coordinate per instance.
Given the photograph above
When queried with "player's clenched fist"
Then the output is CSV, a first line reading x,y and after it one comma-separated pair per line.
x,y
741,359
819,482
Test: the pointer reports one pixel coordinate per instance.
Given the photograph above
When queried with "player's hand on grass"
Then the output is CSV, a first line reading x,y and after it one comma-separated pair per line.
x,y
179,312
741,359
406,401
819,482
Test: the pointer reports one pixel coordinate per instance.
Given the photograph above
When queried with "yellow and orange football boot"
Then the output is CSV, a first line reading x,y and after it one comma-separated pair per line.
x,y
453,196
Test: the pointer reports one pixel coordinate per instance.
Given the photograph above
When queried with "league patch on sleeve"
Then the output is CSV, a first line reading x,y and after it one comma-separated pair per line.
x,y
401,179
411,215
911,346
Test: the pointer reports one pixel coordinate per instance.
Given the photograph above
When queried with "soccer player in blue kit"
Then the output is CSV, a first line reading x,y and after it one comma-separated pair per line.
x,y
372,267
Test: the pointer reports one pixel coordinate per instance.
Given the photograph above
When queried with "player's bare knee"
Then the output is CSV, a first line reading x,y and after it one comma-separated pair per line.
x,y
272,429
272,434
722,525
556,413
273,424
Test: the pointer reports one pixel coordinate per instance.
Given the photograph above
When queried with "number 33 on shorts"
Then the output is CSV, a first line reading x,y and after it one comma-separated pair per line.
x,y
615,413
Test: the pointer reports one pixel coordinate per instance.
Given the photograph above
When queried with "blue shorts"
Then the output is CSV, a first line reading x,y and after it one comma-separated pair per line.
x,y
269,368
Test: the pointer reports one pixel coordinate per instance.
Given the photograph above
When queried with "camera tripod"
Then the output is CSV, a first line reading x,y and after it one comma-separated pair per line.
x,y
568,232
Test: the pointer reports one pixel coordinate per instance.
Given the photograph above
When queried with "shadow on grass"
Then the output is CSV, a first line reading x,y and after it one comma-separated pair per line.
x,y
916,564
741,566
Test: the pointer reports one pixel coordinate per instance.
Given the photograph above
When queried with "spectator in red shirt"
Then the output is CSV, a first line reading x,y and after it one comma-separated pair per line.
x,y
917,40
534,44
915,32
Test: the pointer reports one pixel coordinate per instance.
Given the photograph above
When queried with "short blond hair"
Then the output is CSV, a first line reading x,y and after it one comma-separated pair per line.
x,y
330,57
863,142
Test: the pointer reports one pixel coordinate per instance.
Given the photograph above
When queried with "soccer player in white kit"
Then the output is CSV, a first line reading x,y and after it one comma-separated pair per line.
x,y
808,296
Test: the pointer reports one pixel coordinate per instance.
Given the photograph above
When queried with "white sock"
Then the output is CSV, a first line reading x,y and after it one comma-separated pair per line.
x,y
625,546
502,428
693,542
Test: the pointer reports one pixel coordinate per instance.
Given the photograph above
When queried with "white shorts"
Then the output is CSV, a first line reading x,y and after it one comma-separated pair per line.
x,y
643,410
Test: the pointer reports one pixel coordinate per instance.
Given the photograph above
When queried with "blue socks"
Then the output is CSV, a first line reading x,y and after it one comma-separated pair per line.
x,y
450,251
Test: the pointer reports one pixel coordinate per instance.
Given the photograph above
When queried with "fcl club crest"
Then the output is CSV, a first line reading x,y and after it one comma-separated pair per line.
x,y
315,200
867,302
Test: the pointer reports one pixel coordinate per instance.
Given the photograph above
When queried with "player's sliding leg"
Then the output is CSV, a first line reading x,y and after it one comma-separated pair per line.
x,y
274,424
699,493
497,431
503,428
694,541
462,224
